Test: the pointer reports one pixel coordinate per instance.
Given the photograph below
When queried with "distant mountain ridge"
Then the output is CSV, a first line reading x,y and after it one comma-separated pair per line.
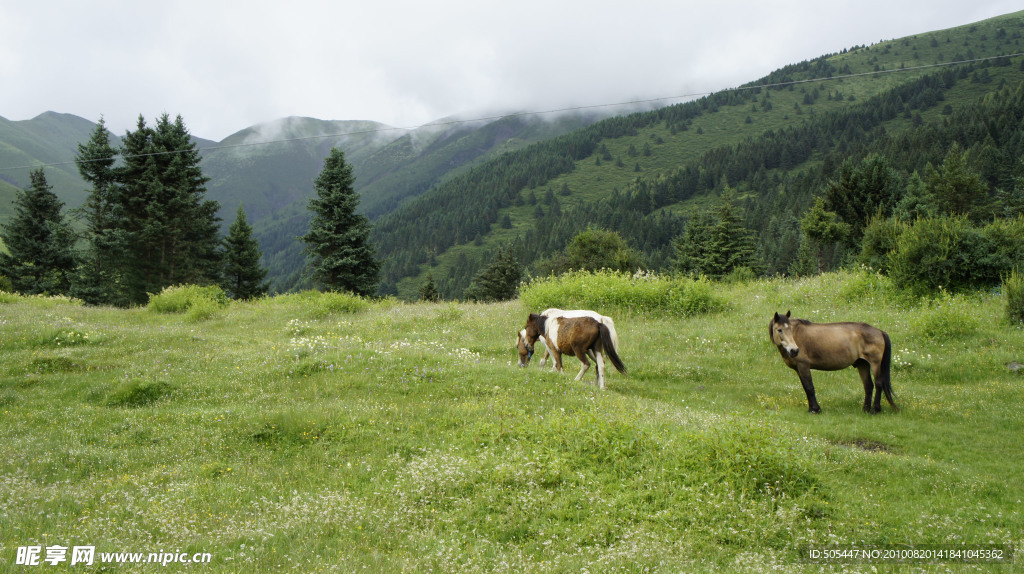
x,y
444,196
270,167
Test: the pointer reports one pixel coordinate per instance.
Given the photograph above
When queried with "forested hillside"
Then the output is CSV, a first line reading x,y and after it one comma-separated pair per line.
x,y
269,168
446,198
777,141
386,175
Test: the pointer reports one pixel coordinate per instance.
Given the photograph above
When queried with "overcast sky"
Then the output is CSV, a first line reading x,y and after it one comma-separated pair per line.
x,y
227,65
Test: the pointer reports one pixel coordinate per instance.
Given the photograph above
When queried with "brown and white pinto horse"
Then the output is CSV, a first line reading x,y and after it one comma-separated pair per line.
x,y
833,346
581,336
525,354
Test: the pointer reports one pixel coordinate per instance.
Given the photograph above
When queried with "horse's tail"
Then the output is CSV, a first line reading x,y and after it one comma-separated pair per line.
x,y
884,380
610,323
609,348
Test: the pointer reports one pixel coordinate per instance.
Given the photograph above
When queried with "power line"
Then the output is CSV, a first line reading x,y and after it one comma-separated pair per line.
x,y
537,113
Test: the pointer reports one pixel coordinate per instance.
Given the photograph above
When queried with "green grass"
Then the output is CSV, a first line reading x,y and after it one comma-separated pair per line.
x,y
308,433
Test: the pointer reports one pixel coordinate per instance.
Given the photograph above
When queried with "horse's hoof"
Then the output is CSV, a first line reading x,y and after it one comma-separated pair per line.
x,y
816,411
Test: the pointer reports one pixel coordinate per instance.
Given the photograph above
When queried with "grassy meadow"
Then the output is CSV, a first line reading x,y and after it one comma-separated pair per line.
x,y
317,432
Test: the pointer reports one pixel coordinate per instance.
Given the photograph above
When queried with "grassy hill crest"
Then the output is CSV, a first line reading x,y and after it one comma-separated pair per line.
x,y
629,153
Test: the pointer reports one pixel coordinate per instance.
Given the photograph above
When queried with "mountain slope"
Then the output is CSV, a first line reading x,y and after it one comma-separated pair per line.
x,y
449,230
270,168
49,138
444,196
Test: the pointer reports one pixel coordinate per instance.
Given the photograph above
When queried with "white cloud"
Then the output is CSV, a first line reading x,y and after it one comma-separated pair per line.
x,y
225,66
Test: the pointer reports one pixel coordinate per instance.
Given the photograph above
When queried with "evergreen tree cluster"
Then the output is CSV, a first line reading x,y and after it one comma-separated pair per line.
x,y
146,225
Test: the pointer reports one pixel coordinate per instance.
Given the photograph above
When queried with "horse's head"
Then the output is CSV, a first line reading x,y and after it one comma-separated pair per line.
x,y
528,336
525,349
781,332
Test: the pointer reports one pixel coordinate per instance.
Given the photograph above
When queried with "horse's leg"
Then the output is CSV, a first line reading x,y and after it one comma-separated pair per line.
x,y
805,379
556,355
865,376
879,387
599,363
581,354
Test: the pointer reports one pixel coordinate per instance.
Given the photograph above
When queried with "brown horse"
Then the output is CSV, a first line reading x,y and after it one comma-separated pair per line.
x,y
833,346
581,336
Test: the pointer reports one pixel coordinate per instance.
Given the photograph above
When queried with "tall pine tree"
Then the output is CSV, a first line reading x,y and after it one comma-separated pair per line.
x,y
40,243
339,256
167,231
499,281
243,275
98,276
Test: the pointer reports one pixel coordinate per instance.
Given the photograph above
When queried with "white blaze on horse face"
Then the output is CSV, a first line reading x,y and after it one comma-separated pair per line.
x,y
782,336
524,352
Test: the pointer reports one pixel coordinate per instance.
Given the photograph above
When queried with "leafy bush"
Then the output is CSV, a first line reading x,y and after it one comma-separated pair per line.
x,y
937,253
865,284
633,293
182,298
317,305
951,253
948,317
325,304
880,238
1013,290
39,301
202,309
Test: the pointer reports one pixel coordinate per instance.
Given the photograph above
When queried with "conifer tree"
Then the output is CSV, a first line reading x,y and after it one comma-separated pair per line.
x,y
861,191
167,231
499,281
822,228
957,189
715,244
731,243
428,291
40,243
243,275
339,255
691,247
98,274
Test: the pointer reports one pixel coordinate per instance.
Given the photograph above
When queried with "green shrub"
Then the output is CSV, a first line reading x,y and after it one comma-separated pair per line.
x,y
740,275
880,238
39,301
632,293
865,284
182,298
317,304
202,309
948,317
936,253
1013,291
951,253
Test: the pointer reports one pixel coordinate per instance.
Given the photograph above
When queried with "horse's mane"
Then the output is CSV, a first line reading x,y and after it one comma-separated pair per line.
x,y
541,321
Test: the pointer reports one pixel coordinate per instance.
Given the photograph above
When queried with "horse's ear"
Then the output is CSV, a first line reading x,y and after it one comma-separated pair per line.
x,y
787,314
